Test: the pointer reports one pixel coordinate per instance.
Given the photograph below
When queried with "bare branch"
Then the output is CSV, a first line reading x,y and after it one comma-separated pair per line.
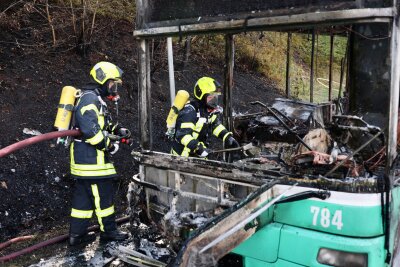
x,y
10,6
93,20
73,19
50,20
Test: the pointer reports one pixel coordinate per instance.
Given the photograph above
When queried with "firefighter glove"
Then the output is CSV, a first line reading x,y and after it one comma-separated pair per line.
x,y
202,151
231,142
114,148
170,134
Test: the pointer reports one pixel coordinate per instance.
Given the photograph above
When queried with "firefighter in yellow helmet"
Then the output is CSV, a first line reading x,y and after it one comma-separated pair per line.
x,y
90,156
198,119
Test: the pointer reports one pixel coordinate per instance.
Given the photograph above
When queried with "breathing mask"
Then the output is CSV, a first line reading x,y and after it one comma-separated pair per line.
x,y
213,100
112,90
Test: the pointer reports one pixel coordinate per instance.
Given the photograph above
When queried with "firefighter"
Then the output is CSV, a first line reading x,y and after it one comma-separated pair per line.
x,y
90,157
198,119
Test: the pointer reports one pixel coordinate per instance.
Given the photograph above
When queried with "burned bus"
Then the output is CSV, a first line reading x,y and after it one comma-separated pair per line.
x,y
320,184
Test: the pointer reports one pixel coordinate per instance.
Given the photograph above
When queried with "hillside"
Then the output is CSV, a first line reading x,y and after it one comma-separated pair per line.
x,y
35,185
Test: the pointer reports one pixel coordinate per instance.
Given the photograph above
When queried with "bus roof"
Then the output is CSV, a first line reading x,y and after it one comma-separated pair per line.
x,y
177,17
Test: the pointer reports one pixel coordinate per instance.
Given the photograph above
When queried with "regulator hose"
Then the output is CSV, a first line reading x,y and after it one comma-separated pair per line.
x,y
51,241
36,139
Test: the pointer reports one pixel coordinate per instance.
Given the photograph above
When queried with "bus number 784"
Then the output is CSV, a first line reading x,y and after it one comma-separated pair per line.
x,y
323,217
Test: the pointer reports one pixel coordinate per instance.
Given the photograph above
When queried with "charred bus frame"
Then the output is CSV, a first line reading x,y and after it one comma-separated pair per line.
x,y
152,23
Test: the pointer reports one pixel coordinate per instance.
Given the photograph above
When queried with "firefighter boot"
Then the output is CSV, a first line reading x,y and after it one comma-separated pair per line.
x,y
115,235
75,239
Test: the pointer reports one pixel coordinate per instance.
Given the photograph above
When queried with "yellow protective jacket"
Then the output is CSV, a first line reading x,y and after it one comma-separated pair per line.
x,y
89,156
193,126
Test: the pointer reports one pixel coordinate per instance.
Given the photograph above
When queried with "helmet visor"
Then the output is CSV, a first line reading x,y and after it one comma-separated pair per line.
x,y
213,100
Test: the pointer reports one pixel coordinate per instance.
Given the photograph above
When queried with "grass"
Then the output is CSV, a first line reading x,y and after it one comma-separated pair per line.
x,y
117,9
265,52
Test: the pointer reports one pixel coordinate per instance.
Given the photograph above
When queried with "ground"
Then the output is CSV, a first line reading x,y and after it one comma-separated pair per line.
x,y
35,184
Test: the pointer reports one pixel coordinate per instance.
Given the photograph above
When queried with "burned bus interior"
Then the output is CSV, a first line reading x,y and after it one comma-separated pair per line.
x,y
344,143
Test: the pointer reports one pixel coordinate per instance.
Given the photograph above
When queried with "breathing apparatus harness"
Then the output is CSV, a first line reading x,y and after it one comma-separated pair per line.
x,y
69,98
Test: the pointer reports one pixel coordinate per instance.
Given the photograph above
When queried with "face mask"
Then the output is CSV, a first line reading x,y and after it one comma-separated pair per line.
x,y
113,91
213,100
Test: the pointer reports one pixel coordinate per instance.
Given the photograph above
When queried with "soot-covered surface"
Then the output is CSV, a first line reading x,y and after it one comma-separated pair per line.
x,y
35,185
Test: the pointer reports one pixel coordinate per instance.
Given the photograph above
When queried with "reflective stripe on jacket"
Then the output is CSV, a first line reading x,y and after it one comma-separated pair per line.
x,y
193,126
89,157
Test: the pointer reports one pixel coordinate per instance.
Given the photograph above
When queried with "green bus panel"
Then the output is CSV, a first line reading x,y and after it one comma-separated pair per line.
x,y
263,245
346,220
301,246
250,262
277,245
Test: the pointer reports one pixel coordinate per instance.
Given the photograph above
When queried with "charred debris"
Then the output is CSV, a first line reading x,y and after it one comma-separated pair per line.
x,y
313,141
320,149
292,142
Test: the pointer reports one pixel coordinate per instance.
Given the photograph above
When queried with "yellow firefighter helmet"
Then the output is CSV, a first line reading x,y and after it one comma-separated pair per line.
x,y
103,71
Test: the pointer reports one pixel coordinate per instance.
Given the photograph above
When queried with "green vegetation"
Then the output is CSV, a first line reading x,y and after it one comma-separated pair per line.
x,y
118,9
265,52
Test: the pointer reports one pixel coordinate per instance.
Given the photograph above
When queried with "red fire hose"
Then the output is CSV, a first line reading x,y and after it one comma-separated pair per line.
x,y
15,240
51,241
19,145
36,139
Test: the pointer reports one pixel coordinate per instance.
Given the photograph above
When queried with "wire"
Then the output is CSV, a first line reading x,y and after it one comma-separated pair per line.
x,y
366,37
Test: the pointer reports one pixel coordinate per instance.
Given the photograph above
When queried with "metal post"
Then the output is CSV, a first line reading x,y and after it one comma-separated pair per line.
x,y
228,84
171,69
144,95
344,67
330,66
394,95
312,67
289,43
392,224
341,77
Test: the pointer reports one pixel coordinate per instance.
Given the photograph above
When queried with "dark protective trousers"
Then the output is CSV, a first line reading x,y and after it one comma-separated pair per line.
x,y
93,196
